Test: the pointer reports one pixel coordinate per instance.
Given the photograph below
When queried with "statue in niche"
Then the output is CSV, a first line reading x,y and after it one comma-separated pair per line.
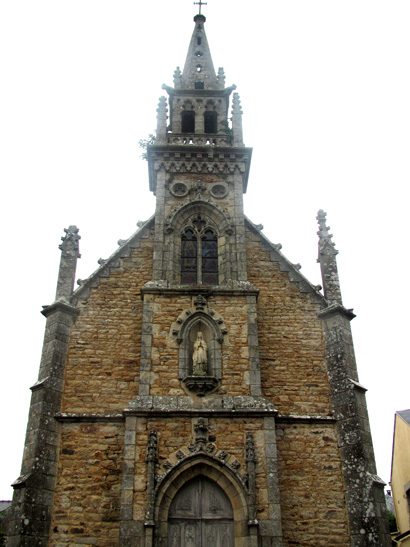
x,y
199,358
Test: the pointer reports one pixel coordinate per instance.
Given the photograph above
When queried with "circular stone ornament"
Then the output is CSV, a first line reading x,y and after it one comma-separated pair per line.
x,y
219,190
179,189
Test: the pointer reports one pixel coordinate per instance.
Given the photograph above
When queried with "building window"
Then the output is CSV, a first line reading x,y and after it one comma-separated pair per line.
x,y
188,121
199,254
210,121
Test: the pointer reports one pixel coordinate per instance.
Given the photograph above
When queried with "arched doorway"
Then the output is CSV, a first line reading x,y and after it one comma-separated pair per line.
x,y
200,515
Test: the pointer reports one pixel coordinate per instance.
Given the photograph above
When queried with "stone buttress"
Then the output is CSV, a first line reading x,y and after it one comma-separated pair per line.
x,y
364,489
33,490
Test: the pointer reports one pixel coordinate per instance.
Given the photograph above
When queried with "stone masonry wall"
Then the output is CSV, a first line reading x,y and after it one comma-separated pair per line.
x,y
88,487
310,482
291,342
235,352
104,351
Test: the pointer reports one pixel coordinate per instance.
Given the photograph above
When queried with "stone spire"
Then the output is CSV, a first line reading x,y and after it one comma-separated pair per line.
x,y
327,260
70,252
199,72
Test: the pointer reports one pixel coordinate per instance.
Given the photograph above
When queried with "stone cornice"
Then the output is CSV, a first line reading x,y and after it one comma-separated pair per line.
x,y
336,309
166,410
186,406
292,418
197,160
60,306
198,289
71,417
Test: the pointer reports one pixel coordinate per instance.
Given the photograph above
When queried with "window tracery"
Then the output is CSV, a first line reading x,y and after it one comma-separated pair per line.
x,y
199,254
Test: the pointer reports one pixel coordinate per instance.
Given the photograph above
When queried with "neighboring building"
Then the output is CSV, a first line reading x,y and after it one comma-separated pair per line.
x,y
400,475
4,512
197,389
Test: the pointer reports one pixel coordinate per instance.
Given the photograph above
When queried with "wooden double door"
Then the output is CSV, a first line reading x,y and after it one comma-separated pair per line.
x,y
200,515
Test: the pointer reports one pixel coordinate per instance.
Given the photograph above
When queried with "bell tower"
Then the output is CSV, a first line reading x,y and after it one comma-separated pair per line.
x,y
198,170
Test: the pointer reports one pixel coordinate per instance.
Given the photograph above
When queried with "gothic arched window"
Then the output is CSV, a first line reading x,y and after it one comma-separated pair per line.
x,y
199,254
210,121
187,121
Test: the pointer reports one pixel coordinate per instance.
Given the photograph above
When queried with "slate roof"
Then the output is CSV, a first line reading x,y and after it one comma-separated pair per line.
x,y
405,415
4,505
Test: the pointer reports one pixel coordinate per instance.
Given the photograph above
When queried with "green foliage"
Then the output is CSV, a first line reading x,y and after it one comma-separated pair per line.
x,y
225,127
392,522
2,538
144,143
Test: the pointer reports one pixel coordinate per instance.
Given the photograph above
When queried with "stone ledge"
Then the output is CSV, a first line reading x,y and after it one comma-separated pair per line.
x,y
291,418
72,417
193,290
336,309
358,386
61,305
185,406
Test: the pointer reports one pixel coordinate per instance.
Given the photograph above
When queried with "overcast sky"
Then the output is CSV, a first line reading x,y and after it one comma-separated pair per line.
x,y
325,90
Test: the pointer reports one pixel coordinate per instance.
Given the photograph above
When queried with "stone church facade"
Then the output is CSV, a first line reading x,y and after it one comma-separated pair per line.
x,y
197,390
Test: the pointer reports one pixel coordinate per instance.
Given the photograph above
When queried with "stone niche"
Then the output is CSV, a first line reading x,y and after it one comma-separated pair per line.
x,y
200,365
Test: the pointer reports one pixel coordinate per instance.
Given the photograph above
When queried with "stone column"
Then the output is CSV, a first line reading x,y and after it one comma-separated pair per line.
x,y
33,491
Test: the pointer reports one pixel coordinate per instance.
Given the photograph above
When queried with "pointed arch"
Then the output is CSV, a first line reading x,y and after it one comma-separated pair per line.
x,y
217,243
214,470
200,321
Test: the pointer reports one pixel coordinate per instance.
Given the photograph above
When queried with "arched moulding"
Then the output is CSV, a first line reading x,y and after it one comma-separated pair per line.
x,y
208,466
185,330
193,451
182,213
185,216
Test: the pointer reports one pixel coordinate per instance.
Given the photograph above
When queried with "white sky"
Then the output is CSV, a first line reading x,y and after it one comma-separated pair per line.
x,y
325,90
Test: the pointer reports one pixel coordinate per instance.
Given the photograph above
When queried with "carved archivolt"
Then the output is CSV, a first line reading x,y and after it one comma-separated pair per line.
x,y
201,458
181,214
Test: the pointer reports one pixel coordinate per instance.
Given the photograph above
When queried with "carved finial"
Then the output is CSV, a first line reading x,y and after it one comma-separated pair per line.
x,y
221,78
323,233
201,431
177,78
250,454
152,447
70,252
237,121
162,117
327,260
200,302
70,246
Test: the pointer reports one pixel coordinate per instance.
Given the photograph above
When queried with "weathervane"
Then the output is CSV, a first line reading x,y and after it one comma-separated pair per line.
x,y
200,4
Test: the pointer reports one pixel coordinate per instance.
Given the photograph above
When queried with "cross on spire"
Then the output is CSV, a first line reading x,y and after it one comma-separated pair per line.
x,y
200,4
